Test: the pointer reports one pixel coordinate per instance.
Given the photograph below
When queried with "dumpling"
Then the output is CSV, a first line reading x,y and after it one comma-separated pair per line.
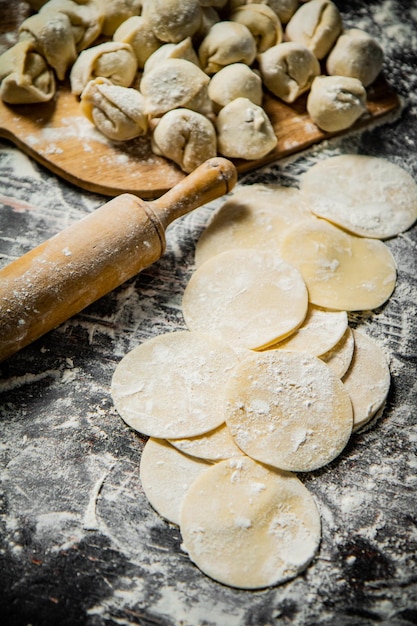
x,y
235,81
116,12
186,137
137,32
52,34
25,76
226,42
244,131
117,112
262,22
86,19
336,102
356,54
182,50
111,59
284,9
175,83
173,20
288,70
316,24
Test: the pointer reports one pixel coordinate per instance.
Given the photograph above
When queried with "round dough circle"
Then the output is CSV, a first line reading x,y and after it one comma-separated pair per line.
x,y
341,271
340,357
321,330
249,299
166,474
255,216
171,385
216,445
249,526
369,196
367,380
288,409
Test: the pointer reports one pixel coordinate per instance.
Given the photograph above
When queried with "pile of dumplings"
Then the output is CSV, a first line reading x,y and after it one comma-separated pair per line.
x,y
191,74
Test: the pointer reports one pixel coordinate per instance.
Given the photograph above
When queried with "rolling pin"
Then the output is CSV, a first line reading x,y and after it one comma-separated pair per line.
x,y
76,267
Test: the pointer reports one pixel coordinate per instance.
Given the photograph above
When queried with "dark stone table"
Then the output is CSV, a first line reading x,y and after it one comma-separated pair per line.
x,y
79,542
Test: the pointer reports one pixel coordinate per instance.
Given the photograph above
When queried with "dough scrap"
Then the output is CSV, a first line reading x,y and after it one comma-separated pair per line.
x,y
254,216
112,59
249,526
316,24
216,445
186,137
166,474
288,70
244,131
356,54
335,103
340,357
288,410
25,76
341,271
233,81
171,385
368,196
250,300
118,112
367,380
321,330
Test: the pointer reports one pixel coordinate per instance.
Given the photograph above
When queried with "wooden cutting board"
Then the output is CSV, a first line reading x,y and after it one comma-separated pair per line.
x,y
58,136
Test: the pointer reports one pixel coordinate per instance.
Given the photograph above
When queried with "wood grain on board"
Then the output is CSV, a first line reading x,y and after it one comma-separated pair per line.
x,y
57,135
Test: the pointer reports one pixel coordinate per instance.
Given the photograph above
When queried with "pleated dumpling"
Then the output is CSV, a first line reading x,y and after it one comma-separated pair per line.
x,y
111,59
244,131
116,12
173,84
173,20
186,137
137,32
86,19
25,77
181,50
52,35
262,22
237,80
117,112
226,42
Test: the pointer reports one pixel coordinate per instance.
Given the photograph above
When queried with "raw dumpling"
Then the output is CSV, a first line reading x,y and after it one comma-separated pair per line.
x,y
288,70
336,102
137,32
244,130
186,137
226,43
117,112
235,81
316,24
173,20
52,34
111,59
262,22
182,50
356,54
284,9
25,76
116,12
86,19
175,83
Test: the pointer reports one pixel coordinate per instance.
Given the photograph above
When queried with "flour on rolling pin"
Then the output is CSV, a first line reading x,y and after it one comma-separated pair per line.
x,y
84,262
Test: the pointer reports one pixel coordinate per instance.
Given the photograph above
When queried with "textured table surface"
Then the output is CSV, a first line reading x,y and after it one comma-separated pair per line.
x,y
79,542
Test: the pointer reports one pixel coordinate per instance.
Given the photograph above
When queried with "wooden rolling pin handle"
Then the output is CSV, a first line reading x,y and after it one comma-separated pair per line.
x,y
81,264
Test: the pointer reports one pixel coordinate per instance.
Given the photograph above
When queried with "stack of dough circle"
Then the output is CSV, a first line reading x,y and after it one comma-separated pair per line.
x,y
341,271
216,445
248,526
340,356
166,474
288,410
365,195
250,299
254,216
171,385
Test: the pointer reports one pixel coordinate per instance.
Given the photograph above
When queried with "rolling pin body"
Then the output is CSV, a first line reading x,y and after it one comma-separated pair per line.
x,y
89,259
